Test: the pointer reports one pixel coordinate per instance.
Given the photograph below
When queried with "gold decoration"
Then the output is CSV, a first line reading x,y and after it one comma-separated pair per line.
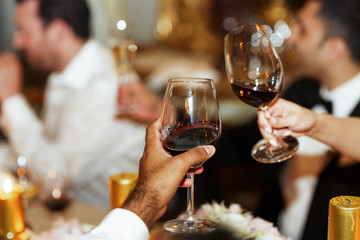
x,y
120,186
11,211
277,10
344,218
186,24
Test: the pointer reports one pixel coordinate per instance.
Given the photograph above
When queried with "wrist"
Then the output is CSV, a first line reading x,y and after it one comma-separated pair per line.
x,y
144,203
317,124
6,95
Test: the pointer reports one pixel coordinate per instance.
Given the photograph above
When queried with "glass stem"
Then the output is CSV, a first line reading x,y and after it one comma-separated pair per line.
x,y
190,196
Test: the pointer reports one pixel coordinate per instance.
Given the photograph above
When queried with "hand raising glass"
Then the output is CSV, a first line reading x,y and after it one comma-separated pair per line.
x,y
190,118
255,73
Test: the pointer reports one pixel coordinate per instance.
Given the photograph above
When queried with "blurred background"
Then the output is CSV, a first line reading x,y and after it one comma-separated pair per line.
x,y
179,38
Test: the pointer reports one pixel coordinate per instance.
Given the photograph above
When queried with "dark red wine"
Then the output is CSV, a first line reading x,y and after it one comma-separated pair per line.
x,y
256,96
191,136
57,204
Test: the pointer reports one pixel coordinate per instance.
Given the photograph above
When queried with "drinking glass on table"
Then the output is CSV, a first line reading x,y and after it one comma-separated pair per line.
x,y
255,73
190,118
54,193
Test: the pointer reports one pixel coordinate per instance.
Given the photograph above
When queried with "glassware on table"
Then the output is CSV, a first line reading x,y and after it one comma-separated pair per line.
x,y
54,193
255,74
190,118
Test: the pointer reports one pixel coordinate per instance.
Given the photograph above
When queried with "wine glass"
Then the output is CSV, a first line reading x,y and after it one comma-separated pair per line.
x,y
54,194
121,41
255,74
190,118
122,44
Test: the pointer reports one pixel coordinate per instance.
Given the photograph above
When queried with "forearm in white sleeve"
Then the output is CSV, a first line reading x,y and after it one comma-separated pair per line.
x,y
25,132
119,224
18,117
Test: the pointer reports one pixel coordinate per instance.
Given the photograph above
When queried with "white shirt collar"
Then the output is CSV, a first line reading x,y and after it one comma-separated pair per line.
x,y
80,69
345,97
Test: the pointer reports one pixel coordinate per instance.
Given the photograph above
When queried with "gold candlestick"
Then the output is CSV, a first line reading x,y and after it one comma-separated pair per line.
x,y
120,186
11,210
344,218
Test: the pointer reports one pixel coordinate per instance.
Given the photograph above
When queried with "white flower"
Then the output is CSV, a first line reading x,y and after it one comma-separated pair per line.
x,y
235,208
242,224
237,224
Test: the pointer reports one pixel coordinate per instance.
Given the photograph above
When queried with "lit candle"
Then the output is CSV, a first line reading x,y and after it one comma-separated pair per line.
x,y
11,210
344,218
120,186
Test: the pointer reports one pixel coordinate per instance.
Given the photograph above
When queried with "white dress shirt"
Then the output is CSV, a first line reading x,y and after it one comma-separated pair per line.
x,y
344,99
78,135
119,224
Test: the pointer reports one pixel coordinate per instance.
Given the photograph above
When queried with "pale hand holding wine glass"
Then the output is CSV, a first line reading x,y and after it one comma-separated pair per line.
x,y
255,73
190,118
123,47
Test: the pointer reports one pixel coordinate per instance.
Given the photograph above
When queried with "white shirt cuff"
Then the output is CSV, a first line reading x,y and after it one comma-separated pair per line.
x,y
120,224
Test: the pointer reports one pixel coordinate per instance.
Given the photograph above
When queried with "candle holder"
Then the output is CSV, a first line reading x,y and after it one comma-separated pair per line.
x,y
120,186
12,222
344,218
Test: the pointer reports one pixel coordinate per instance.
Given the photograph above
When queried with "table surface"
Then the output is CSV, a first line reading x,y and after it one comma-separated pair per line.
x,y
38,218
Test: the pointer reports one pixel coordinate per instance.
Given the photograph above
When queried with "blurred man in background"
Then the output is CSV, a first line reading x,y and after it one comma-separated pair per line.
x,y
77,136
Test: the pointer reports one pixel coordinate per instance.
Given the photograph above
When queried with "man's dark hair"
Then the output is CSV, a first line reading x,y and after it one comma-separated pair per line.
x,y
342,19
74,12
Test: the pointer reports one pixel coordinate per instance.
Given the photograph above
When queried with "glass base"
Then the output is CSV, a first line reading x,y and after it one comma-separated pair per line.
x,y
190,225
265,153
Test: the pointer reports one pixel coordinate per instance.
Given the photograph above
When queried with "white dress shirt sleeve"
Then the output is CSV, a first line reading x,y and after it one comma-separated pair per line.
x,y
119,224
18,113
26,134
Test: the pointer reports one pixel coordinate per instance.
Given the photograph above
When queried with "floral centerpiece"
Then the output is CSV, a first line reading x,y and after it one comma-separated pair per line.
x,y
62,229
241,223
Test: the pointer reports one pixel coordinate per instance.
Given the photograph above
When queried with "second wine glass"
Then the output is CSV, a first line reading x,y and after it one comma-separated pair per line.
x,y
55,194
190,118
255,73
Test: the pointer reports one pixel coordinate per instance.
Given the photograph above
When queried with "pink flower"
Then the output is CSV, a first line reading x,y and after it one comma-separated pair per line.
x,y
267,228
70,230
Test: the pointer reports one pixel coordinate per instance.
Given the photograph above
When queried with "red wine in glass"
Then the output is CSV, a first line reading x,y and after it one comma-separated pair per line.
x,y
56,204
256,96
190,118
255,73
190,136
